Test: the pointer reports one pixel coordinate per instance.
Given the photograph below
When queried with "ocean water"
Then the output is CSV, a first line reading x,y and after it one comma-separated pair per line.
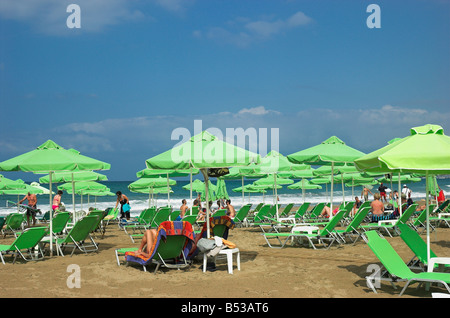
x,y
139,201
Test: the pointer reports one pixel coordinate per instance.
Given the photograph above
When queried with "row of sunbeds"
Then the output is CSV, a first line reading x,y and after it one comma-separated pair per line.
x,y
31,243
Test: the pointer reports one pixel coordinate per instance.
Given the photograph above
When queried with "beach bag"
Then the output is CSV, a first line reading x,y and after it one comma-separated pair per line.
x,y
206,245
126,207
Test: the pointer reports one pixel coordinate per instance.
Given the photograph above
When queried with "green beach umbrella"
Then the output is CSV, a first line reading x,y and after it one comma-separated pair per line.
x,y
203,151
332,151
221,189
8,184
425,150
50,158
74,176
150,173
304,185
272,164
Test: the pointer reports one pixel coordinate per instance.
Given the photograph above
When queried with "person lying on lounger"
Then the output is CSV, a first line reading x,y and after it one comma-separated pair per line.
x,y
146,243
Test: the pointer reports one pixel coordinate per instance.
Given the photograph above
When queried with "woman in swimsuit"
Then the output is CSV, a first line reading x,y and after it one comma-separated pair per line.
x,y
122,199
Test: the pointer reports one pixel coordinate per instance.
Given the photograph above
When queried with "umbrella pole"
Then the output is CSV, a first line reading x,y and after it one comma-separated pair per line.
x,y
168,192
303,189
400,195
428,219
73,201
276,195
242,188
331,195
190,180
205,176
51,215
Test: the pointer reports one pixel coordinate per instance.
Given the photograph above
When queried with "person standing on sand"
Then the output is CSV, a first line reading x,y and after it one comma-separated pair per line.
x,y
122,199
382,188
31,210
365,193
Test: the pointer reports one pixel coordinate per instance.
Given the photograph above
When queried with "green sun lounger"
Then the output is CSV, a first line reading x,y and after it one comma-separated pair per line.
x,y
319,236
420,222
13,224
396,268
24,243
77,236
417,246
353,229
241,215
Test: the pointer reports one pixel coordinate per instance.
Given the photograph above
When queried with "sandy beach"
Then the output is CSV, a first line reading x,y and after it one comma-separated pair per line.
x,y
291,272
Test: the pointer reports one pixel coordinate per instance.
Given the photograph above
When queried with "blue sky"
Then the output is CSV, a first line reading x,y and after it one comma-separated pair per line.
x,y
136,70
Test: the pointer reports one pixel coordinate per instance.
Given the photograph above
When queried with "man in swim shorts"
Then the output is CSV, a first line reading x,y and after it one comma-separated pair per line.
x,y
31,210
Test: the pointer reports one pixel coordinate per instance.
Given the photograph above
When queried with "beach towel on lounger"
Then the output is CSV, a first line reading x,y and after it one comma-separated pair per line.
x,y
165,229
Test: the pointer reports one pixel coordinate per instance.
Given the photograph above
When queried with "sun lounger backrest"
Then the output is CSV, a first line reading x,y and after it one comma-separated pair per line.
x,y
82,228
387,255
415,243
161,216
171,247
14,221
423,215
190,218
407,214
359,217
317,209
332,223
242,213
59,222
29,238
302,209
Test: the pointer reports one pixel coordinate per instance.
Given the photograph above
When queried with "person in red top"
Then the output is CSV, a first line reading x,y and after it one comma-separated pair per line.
x,y
441,197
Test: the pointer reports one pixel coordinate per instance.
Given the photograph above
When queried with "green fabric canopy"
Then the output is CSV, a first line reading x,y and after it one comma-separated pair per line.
x,y
203,151
49,158
425,150
332,151
77,175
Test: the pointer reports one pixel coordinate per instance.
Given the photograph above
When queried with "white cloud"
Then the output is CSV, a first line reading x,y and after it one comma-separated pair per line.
x,y
49,16
174,5
259,110
243,32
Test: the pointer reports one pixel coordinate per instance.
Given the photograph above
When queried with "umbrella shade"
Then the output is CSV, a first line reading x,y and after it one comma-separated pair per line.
x,y
8,184
304,184
78,175
273,162
331,150
249,188
156,190
82,186
151,173
202,151
145,183
23,191
97,193
426,149
270,180
406,178
221,189
51,157
199,186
